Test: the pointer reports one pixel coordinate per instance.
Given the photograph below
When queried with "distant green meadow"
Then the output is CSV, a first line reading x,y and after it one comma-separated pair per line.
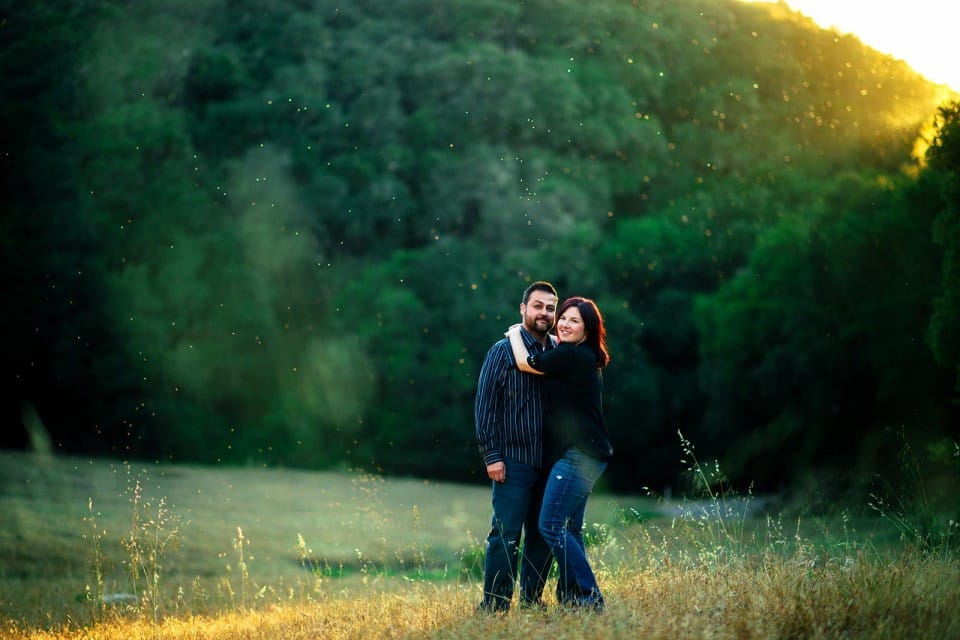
x,y
88,538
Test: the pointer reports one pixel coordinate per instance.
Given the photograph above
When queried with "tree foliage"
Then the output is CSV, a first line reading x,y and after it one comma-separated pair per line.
x,y
287,231
943,174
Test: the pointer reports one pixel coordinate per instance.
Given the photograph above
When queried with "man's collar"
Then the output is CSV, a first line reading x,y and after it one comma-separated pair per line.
x,y
529,339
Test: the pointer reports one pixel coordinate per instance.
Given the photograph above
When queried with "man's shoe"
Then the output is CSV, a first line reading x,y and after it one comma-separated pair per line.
x,y
488,608
530,605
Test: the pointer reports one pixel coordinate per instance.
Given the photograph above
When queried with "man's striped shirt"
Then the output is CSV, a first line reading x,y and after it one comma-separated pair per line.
x,y
508,410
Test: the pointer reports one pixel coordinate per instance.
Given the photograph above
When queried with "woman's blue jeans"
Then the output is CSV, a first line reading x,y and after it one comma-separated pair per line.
x,y
561,519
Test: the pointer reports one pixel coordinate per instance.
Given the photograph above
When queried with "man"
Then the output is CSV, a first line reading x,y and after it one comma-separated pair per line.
x,y
508,412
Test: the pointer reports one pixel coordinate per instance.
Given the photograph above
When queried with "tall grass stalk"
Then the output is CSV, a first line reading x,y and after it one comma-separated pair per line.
x,y
154,534
95,596
908,506
723,517
242,569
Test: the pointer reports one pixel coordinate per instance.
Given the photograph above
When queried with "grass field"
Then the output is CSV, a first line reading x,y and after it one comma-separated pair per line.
x,y
94,548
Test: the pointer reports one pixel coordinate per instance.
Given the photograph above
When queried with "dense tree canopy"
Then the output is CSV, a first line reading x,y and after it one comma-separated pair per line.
x,y
286,231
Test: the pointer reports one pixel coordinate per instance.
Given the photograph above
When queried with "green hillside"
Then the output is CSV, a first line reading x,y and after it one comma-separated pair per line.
x,y
286,231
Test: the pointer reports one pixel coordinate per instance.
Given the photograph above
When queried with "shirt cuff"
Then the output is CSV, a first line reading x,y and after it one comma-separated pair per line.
x,y
493,456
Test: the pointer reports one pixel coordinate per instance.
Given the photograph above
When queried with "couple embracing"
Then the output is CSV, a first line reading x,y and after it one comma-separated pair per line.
x,y
542,435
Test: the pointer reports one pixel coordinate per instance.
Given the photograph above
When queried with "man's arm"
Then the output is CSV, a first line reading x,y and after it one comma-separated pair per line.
x,y
486,411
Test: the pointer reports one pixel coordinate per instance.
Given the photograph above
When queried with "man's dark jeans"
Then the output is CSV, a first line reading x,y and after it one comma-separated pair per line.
x,y
516,508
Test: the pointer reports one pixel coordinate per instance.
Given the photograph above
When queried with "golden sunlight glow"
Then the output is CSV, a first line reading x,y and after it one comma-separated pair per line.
x,y
922,33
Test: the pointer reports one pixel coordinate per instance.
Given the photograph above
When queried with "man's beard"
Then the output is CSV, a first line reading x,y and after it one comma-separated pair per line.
x,y
538,326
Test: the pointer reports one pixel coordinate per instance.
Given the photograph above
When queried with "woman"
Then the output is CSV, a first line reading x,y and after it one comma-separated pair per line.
x,y
575,439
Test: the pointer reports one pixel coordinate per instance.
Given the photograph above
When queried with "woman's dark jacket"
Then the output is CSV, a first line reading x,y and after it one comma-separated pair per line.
x,y
573,406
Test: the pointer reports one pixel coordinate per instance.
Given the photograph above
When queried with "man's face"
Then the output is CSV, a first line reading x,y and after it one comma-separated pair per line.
x,y
539,312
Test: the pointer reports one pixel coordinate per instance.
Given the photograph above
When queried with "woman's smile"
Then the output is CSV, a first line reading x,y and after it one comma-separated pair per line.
x,y
570,326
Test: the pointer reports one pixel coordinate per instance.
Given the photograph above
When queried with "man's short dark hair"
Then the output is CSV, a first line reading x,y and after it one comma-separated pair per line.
x,y
539,285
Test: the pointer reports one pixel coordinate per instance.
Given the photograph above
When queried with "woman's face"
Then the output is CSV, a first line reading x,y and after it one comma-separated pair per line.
x,y
570,326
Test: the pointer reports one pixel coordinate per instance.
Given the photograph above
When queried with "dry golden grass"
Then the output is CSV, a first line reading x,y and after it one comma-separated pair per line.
x,y
387,554
65,519
911,597
67,526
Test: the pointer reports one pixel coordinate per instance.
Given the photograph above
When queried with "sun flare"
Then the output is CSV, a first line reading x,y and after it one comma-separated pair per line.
x,y
920,32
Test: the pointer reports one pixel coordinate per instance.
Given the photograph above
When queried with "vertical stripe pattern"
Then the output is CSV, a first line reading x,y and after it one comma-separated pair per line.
x,y
508,410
